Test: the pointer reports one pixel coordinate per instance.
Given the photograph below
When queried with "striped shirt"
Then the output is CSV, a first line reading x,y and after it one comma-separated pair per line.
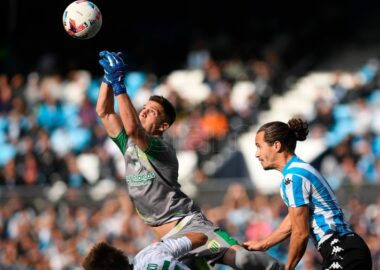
x,y
304,185
163,255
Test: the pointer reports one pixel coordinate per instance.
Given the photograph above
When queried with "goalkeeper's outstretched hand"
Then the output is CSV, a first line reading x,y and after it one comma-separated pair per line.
x,y
115,69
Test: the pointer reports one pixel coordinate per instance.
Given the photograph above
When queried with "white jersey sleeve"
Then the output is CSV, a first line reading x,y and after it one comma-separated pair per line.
x,y
163,255
178,247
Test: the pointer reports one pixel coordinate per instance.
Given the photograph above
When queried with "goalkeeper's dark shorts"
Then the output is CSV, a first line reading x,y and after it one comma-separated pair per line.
x,y
345,252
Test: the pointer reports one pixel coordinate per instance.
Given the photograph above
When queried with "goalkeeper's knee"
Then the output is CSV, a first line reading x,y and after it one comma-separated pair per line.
x,y
257,260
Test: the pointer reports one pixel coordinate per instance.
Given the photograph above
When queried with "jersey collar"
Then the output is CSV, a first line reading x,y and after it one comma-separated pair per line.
x,y
293,158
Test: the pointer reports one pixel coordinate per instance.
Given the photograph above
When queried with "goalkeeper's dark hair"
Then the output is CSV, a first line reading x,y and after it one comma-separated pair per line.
x,y
103,256
170,114
287,134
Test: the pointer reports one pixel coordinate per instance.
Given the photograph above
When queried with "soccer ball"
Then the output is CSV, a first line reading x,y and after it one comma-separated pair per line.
x,y
82,19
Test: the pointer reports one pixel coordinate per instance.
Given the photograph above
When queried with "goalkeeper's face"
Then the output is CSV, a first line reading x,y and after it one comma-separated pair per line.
x,y
152,118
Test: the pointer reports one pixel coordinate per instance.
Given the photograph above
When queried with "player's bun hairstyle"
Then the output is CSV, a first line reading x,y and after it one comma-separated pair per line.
x,y
169,109
299,127
287,134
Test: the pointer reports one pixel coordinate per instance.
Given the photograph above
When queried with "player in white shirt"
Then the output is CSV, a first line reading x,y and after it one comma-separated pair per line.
x,y
161,255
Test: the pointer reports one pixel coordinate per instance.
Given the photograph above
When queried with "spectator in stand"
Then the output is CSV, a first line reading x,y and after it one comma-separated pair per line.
x,y
339,90
5,95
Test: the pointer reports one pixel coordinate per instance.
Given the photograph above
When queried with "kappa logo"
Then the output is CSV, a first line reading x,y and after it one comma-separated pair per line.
x,y
287,181
336,250
335,241
335,265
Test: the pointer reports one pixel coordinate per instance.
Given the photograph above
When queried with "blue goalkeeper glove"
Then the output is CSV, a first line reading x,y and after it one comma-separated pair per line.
x,y
114,70
107,77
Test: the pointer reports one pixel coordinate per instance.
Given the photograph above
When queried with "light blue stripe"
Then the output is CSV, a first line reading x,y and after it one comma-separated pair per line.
x,y
297,191
318,186
284,196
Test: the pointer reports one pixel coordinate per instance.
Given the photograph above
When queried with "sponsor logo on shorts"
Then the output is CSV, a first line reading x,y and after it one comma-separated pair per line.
x,y
336,250
335,241
213,246
335,265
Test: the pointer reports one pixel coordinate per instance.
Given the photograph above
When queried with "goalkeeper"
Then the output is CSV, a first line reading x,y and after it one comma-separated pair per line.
x,y
152,171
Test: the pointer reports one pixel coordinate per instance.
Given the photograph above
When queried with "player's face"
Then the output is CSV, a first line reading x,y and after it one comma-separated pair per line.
x,y
265,153
151,116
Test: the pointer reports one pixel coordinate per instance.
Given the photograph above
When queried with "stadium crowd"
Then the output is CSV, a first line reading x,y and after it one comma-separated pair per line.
x,y
50,136
57,236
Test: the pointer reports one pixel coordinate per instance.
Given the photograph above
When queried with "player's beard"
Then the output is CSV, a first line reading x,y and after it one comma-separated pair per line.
x,y
267,167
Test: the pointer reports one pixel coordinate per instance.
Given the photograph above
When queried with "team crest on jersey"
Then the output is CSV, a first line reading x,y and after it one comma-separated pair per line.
x,y
213,246
287,181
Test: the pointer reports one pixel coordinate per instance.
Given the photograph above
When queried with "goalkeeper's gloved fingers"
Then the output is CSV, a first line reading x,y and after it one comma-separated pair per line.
x,y
107,78
121,56
103,53
105,65
110,59
116,60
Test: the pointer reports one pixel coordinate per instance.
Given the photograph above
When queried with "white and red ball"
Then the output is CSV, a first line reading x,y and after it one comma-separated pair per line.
x,y
82,19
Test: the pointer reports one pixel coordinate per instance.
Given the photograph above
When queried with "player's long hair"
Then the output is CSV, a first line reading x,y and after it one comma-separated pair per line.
x,y
287,134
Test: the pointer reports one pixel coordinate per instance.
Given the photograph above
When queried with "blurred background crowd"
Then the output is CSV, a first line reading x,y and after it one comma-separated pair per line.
x,y
62,179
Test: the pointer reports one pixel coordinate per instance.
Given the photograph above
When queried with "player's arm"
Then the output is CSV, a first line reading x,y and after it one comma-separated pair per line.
x,y
280,234
106,112
299,217
197,239
131,122
115,70
180,246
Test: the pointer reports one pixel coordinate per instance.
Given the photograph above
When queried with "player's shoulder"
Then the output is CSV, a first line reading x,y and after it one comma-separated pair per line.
x,y
160,148
151,256
292,178
159,141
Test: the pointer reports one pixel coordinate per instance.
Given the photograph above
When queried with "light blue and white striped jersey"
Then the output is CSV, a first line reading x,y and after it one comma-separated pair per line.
x,y
163,255
304,185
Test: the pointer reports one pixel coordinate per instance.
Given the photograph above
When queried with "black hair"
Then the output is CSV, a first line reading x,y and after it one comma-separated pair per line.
x,y
103,256
169,110
288,134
